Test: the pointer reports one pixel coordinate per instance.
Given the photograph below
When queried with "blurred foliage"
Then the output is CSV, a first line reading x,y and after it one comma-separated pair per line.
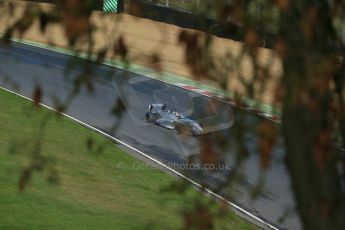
x,y
311,91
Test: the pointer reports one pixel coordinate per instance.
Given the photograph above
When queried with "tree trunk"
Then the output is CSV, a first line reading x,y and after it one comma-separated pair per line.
x,y
306,121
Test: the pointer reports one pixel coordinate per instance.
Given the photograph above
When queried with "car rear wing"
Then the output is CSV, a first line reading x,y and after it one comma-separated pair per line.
x,y
156,107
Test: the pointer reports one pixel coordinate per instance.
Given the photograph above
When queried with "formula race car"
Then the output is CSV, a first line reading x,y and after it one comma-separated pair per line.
x,y
160,115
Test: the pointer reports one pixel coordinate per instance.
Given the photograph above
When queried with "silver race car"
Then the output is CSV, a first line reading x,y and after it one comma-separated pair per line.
x,y
160,115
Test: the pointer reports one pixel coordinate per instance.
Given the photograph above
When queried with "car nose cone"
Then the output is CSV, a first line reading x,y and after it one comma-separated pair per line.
x,y
197,128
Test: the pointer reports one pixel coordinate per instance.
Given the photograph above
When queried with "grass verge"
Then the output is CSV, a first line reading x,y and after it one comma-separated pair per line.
x,y
93,192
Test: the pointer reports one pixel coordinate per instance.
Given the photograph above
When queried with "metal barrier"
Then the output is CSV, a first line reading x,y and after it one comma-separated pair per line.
x,y
185,19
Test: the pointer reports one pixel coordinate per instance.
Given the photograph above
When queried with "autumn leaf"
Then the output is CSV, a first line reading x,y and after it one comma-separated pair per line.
x,y
101,55
207,154
120,48
24,179
267,136
37,96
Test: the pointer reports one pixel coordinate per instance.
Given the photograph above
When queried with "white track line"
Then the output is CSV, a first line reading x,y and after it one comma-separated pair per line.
x,y
257,220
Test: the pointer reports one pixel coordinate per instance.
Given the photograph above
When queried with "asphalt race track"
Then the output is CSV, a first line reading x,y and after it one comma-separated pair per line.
x,y
22,67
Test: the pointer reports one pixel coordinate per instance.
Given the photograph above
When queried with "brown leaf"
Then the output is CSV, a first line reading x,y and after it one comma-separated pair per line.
x,y
282,4
120,48
193,53
267,134
155,62
11,8
37,96
280,48
43,19
6,38
101,55
75,27
225,12
24,179
223,207
89,143
134,9
60,108
200,218
25,22
251,38
76,16
118,108
207,154
279,93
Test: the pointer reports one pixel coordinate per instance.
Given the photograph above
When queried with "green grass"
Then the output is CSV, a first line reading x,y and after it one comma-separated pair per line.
x,y
92,191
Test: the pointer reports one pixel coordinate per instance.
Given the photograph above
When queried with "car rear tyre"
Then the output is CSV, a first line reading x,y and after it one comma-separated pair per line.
x,y
148,117
178,129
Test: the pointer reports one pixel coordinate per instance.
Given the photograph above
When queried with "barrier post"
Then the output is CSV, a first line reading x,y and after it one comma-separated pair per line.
x,y
113,6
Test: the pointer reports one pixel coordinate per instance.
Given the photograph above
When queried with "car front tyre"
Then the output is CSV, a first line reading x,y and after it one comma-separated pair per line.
x,y
193,133
148,117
